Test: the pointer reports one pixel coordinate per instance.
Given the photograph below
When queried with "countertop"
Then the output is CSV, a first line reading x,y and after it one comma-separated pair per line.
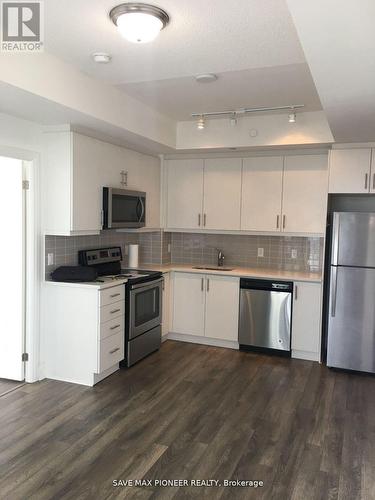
x,y
241,272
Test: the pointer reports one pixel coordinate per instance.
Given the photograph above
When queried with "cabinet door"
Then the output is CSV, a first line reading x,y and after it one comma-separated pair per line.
x,y
185,194
222,193
188,303
372,181
306,322
305,194
349,170
222,306
166,295
262,185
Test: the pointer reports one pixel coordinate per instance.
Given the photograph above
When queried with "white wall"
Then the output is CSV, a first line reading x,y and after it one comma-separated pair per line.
x,y
19,134
272,130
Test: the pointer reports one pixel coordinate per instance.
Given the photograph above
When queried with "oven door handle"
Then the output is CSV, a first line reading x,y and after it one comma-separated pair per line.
x,y
147,284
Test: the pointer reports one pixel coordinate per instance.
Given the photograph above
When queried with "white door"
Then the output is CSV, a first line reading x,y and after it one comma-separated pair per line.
x,y
306,321
349,170
222,306
12,255
185,194
305,194
222,193
188,303
262,186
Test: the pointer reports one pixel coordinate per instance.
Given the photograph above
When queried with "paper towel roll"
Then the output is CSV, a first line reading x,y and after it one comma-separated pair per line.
x,y
133,255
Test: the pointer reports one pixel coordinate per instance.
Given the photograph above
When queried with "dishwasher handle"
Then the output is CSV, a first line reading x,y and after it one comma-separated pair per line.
x,y
268,285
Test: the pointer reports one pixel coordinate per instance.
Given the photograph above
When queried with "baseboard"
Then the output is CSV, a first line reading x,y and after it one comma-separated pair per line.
x,y
306,355
193,339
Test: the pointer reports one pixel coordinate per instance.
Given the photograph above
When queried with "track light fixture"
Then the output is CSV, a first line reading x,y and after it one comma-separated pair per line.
x,y
201,123
234,114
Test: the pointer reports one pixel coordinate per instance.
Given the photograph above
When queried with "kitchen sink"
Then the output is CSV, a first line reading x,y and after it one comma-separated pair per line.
x,y
213,268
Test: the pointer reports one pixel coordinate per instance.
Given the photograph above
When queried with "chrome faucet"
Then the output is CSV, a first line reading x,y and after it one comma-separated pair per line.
x,y
220,258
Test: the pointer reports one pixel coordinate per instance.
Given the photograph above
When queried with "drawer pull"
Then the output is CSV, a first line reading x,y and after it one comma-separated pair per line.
x,y
115,311
115,327
114,350
115,295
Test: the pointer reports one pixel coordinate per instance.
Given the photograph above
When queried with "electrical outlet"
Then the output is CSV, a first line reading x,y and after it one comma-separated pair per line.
x,y
169,248
260,252
50,259
294,253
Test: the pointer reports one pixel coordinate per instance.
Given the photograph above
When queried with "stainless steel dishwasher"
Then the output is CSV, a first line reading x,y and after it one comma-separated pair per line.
x,y
265,316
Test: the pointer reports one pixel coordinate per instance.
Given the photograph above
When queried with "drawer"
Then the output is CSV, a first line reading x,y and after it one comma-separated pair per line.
x,y
112,311
112,327
111,295
111,351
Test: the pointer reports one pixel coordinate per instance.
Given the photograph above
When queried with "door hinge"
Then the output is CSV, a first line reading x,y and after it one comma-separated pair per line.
x,y
26,185
25,356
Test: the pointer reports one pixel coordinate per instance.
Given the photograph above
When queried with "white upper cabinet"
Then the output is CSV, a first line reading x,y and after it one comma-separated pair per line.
x,y
185,194
222,307
305,194
350,171
262,186
75,170
222,193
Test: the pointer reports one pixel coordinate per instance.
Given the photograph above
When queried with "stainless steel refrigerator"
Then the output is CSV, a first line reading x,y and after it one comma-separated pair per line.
x,y
351,321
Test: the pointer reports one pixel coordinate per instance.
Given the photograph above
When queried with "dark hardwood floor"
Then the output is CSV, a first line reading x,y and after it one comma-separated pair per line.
x,y
8,385
193,412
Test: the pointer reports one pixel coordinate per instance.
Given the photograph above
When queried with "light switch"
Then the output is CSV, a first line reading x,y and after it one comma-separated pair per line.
x,y
294,253
260,252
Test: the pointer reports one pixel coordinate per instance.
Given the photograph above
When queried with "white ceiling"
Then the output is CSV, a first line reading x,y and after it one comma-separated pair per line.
x,y
257,87
339,42
203,36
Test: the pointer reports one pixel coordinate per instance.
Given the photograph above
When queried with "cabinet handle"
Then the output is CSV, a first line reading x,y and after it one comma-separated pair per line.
x,y
204,220
114,350
202,284
115,327
114,295
199,220
115,311
208,285
284,221
295,292
278,222
366,180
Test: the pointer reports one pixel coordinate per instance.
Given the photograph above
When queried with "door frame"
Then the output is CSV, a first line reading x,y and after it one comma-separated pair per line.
x,y
34,261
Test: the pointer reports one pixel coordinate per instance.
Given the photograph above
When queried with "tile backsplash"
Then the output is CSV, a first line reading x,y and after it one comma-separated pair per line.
x,y
242,250
279,252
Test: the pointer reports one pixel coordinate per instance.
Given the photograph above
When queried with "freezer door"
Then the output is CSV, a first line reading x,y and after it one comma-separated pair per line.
x,y
353,239
265,319
351,323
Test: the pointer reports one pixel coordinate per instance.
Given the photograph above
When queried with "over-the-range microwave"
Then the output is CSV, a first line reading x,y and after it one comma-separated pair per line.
x,y
123,208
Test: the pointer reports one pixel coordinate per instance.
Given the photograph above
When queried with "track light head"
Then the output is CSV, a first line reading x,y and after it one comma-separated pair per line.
x,y
201,123
292,118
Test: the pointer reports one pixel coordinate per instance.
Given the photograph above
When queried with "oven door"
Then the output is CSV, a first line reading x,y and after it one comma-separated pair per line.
x,y
145,307
123,208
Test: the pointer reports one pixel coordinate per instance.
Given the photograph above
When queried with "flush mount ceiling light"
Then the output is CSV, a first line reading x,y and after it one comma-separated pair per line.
x,y
206,78
234,114
139,22
201,123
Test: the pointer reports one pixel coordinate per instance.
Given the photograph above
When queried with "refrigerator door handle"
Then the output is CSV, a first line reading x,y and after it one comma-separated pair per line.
x,y
335,239
334,291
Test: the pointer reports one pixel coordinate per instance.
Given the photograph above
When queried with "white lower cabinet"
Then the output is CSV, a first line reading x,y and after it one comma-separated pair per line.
x,y
83,332
166,308
206,306
306,321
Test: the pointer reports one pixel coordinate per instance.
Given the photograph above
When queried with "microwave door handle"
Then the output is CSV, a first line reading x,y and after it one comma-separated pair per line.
x,y
137,209
143,209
